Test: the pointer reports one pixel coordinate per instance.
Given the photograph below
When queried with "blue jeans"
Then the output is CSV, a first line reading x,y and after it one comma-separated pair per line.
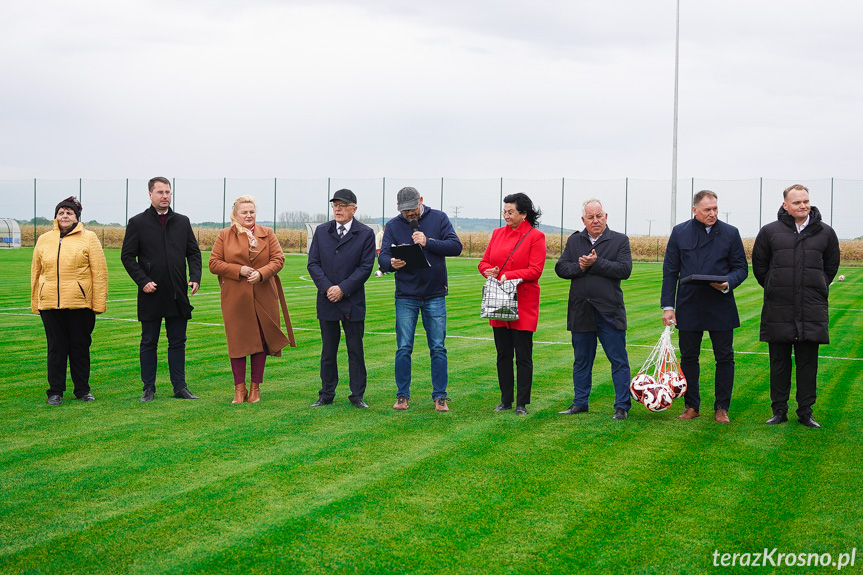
x,y
434,321
584,348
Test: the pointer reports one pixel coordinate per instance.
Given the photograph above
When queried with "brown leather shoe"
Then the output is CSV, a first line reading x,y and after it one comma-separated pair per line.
x,y
440,404
688,413
721,416
255,393
240,393
401,403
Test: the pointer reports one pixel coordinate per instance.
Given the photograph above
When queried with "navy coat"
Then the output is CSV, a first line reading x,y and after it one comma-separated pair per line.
x,y
598,288
345,262
691,250
441,241
153,253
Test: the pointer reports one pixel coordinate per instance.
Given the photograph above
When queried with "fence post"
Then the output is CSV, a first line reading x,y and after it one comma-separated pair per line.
x,y
80,191
500,203
275,207
327,211
441,194
625,206
127,202
562,195
760,201
173,193
34,211
383,201
831,202
224,199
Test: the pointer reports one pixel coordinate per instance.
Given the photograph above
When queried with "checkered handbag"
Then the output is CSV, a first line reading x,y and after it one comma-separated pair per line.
x,y
500,298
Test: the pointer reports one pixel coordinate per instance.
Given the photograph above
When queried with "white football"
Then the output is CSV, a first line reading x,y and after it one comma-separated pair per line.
x,y
639,383
657,398
675,382
841,278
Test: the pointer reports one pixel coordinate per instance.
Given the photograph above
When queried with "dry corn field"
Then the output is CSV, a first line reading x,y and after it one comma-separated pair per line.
x,y
644,248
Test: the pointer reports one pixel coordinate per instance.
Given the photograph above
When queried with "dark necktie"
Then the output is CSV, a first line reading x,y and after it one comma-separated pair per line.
x,y
341,232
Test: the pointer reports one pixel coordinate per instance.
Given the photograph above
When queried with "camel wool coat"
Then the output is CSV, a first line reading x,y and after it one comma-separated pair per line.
x,y
242,301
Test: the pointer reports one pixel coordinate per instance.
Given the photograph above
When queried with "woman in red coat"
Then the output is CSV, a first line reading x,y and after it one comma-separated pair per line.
x,y
515,338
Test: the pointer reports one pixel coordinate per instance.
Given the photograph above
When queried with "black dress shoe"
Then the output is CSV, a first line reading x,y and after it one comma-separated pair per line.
x,y
185,394
620,413
573,409
520,410
88,397
321,402
55,399
360,404
503,406
809,421
778,417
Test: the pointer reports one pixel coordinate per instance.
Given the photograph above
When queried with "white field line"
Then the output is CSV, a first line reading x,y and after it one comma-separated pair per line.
x,y
392,334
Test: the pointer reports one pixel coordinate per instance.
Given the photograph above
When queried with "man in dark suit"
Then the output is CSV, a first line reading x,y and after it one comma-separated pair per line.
x,y
704,245
156,248
341,258
596,259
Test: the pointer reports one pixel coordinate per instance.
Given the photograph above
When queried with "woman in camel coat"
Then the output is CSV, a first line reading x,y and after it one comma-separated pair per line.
x,y
247,257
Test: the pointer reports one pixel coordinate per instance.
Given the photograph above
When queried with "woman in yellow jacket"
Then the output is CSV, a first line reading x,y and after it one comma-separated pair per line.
x,y
69,286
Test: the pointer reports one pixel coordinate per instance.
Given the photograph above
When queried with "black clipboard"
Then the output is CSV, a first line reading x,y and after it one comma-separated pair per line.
x,y
413,256
703,280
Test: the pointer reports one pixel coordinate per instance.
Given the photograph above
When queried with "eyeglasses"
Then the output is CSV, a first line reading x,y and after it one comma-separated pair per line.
x,y
343,205
509,213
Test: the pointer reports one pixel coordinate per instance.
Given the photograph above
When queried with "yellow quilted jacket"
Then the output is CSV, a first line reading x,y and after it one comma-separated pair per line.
x,y
68,273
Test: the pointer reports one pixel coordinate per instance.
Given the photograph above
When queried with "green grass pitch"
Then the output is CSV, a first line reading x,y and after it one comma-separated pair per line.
x,y
120,486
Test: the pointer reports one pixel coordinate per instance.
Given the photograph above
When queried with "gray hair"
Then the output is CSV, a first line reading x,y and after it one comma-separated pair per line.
x,y
588,202
696,199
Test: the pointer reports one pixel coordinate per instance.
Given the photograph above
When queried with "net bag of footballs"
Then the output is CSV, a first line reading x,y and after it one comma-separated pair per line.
x,y
659,381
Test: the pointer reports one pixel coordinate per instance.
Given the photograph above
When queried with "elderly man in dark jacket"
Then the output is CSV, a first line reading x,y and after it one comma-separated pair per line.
x,y
795,260
704,246
156,249
341,258
596,259
420,290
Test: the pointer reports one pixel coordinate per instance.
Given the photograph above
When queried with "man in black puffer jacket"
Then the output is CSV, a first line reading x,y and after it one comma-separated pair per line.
x,y
795,259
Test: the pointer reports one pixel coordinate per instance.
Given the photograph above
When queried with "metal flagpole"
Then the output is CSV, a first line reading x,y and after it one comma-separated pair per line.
x,y
674,144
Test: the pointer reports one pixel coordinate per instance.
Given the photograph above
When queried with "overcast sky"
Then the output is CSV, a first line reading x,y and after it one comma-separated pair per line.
x,y
462,89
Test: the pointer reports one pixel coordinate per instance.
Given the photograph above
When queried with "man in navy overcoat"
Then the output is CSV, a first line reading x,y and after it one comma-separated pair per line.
x,y
341,258
704,246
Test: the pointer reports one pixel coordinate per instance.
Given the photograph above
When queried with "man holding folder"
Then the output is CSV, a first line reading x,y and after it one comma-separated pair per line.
x,y
421,287
695,302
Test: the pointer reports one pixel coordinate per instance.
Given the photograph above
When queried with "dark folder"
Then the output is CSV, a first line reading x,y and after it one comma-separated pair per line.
x,y
413,256
703,280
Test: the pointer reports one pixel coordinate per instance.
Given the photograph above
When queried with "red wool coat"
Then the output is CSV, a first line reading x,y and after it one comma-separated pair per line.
x,y
527,263
242,301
